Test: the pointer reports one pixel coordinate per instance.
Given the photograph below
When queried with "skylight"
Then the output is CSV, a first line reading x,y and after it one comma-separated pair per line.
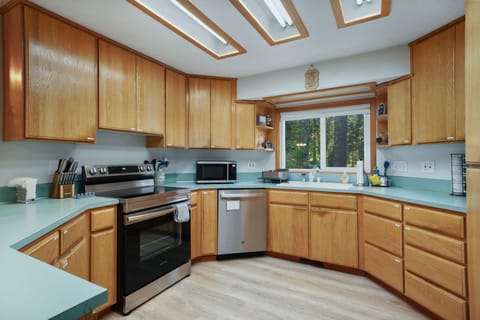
x,y
350,12
277,21
186,20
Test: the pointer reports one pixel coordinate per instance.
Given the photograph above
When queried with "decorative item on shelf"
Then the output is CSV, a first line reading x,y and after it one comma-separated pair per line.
x,y
381,109
268,121
261,120
267,145
311,78
382,138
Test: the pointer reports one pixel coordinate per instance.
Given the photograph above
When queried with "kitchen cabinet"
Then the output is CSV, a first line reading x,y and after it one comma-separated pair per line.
x,y
203,224
175,110
265,133
435,260
399,112
333,229
50,78
46,249
437,102
245,126
131,91
210,113
103,254
383,240
288,223
76,260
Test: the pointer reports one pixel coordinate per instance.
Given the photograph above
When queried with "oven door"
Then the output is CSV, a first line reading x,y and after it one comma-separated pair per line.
x,y
153,245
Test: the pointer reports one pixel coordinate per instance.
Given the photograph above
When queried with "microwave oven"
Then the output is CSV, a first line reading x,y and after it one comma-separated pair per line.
x,y
216,171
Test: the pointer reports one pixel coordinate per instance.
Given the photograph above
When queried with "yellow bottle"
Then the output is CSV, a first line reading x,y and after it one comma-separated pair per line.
x,y
345,177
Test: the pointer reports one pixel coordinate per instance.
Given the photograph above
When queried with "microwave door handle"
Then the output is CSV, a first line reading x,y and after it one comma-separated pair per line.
x,y
136,218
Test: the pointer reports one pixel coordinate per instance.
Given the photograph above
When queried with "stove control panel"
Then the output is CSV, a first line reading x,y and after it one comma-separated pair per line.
x,y
118,171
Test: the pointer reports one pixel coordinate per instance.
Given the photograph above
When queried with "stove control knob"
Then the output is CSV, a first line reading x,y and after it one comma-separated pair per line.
x,y
149,168
93,171
142,168
103,170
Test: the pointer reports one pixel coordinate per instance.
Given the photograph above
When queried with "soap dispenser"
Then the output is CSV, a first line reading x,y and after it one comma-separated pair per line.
x,y
345,177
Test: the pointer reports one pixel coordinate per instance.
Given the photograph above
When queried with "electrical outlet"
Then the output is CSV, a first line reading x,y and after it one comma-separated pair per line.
x,y
428,166
251,165
400,166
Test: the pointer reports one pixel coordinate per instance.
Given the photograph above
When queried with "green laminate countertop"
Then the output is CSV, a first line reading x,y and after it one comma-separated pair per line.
x,y
29,288
441,200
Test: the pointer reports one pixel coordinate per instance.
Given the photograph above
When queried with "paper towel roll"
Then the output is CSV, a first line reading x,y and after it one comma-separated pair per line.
x,y
360,173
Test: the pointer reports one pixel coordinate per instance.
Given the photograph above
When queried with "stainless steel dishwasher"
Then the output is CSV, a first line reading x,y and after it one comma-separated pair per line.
x,y
242,221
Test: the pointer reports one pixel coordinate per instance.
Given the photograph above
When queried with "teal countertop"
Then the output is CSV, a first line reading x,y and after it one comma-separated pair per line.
x,y
435,199
31,289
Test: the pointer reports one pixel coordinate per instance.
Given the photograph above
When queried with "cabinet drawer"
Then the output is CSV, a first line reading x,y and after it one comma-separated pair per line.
x,y
383,233
435,243
436,220
435,299
46,249
384,266
288,197
444,273
73,232
385,208
329,200
103,219
194,198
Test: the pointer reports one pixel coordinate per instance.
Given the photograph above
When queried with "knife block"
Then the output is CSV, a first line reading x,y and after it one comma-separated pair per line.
x,y
61,191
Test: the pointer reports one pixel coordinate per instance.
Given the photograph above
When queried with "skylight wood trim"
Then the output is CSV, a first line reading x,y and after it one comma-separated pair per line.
x,y
337,11
195,11
292,12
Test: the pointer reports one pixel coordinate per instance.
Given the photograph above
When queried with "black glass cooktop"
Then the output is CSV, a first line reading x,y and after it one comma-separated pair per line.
x,y
138,192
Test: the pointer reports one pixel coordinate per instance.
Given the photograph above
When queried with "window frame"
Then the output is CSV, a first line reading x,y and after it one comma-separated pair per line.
x,y
322,114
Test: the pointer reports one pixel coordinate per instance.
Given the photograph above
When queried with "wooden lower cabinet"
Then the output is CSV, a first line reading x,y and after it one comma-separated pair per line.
x,y
384,266
203,223
76,260
383,233
46,249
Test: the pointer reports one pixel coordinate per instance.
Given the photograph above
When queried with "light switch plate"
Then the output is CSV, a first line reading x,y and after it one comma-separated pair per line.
x,y
428,166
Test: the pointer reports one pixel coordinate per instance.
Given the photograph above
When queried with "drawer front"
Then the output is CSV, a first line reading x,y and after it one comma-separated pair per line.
x,y
383,233
435,299
384,266
329,200
443,222
288,197
432,242
47,249
194,198
73,232
103,219
384,208
444,273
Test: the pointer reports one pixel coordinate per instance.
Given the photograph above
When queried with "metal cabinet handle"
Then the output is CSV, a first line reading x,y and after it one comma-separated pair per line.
x,y
407,208
132,129
397,260
169,144
65,231
406,141
450,138
397,225
140,129
90,139
396,205
408,228
55,238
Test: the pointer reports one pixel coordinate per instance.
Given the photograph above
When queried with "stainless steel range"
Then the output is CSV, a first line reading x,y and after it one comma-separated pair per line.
x,y
153,230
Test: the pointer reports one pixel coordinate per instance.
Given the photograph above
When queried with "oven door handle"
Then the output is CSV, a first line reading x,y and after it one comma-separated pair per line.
x,y
136,218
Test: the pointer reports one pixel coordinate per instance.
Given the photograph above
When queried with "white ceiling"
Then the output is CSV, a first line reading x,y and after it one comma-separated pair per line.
x,y
120,21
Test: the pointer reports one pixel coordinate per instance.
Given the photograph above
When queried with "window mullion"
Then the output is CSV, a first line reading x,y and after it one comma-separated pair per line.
x,y
323,144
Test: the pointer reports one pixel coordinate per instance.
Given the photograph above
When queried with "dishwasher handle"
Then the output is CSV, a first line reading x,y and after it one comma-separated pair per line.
x,y
241,195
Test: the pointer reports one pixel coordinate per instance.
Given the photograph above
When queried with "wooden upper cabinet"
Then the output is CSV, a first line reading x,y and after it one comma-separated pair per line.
x,y
117,103
59,62
221,114
198,113
435,88
175,110
245,126
150,96
399,113
460,81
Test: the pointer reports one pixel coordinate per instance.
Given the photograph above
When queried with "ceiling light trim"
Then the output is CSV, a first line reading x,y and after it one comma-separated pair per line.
x,y
237,48
385,7
297,22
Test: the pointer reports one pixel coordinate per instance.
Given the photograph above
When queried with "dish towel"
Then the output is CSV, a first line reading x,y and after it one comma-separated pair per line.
x,y
182,212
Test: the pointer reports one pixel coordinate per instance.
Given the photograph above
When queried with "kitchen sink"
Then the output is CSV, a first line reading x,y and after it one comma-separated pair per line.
x,y
322,185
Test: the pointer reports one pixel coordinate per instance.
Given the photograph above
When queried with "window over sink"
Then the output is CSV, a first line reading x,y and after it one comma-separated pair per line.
x,y
329,139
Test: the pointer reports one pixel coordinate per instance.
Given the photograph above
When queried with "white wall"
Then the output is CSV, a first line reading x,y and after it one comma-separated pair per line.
x,y
374,66
414,155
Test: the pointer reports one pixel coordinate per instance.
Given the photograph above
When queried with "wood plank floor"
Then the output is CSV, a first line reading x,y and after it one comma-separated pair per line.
x,y
269,288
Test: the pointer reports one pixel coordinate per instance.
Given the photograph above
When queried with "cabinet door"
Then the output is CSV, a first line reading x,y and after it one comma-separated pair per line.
x,y
399,113
288,229
195,232
460,81
208,202
333,236
77,260
175,110
384,266
383,233
245,126
116,83
150,97
47,249
221,114
198,113
61,92
433,88
103,263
